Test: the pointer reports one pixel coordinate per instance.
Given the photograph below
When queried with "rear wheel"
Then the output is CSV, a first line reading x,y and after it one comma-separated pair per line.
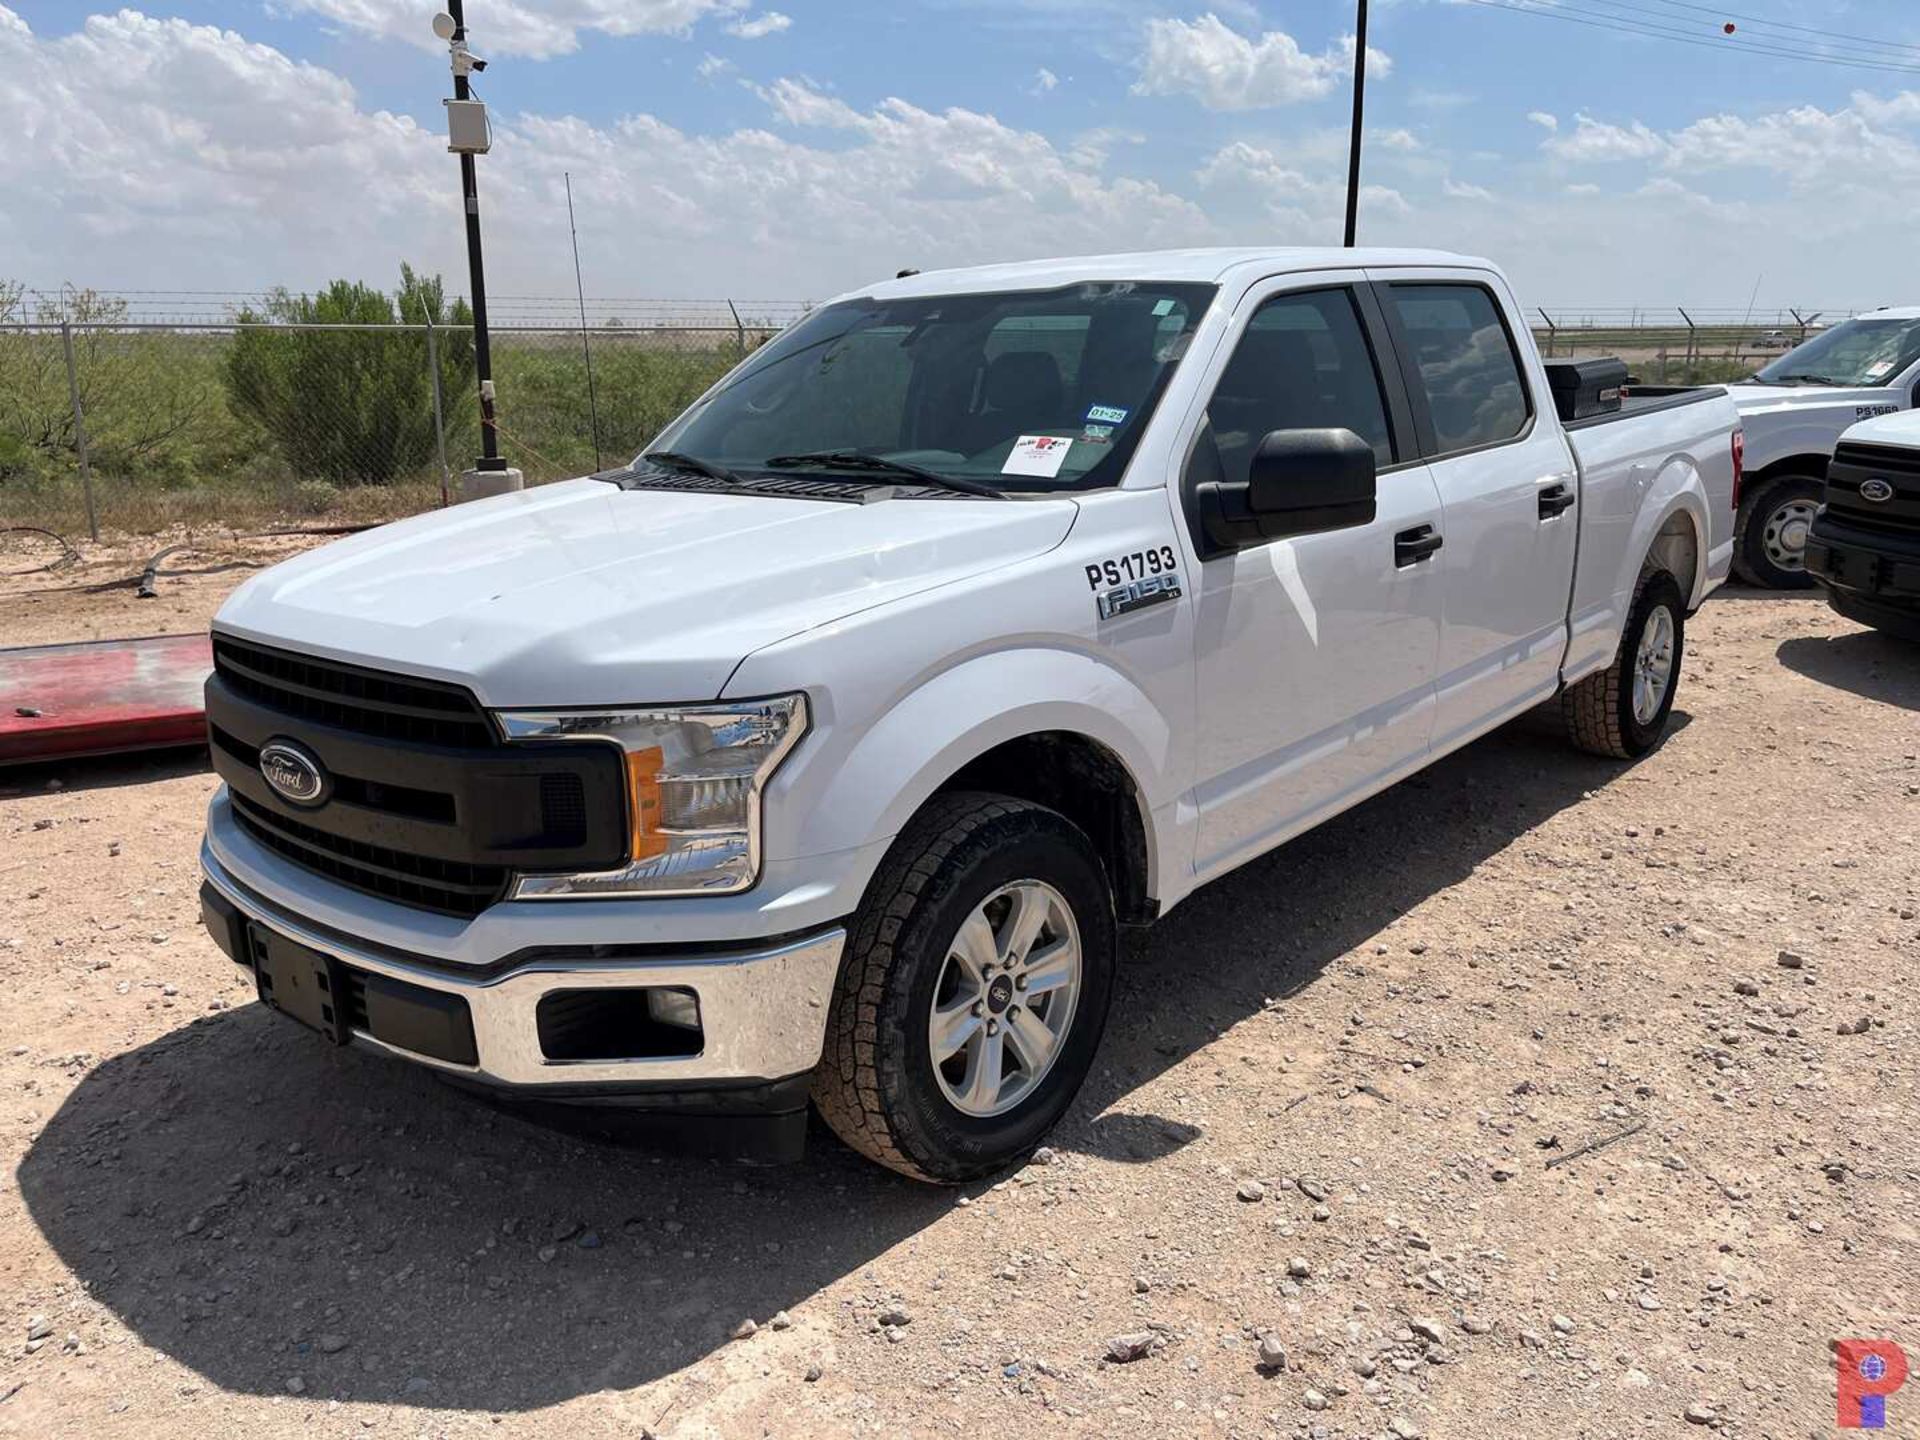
x,y
1771,550
975,990
1622,711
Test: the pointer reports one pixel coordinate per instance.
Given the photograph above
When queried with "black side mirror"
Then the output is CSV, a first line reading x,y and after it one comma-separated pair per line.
x,y
1301,482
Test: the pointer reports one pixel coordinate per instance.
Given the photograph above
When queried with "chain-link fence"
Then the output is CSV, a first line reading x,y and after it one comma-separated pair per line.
x,y
137,426
111,421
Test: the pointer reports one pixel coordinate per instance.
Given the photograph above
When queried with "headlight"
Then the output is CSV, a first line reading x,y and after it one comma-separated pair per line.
x,y
694,777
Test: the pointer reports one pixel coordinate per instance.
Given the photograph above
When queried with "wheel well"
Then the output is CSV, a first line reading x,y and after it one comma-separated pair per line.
x,y
1085,782
1676,550
1814,467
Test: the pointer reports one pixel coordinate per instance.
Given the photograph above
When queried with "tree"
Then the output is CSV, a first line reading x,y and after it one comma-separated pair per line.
x,y
354,405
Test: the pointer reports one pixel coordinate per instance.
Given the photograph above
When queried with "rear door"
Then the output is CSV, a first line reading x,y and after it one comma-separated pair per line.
x,y
1314,655
1508,486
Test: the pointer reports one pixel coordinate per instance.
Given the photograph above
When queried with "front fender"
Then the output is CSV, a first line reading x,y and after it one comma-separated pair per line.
x,y
923,737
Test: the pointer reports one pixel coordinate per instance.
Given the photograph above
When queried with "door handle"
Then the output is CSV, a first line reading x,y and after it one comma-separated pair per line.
x,y
1410,547
1556,499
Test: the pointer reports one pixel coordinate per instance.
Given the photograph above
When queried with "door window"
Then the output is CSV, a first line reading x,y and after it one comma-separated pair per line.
x,y
1469,370
1303,363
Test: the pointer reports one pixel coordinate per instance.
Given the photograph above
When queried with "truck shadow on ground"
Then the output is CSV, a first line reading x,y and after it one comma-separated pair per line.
x,y
258,1207
1872,665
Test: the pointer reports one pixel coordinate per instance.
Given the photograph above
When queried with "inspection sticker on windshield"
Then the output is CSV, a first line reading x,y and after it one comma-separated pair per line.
x,y
1105,414
1037,455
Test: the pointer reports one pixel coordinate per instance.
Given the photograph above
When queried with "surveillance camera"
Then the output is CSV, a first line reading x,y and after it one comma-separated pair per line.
x,y
478,63
443,25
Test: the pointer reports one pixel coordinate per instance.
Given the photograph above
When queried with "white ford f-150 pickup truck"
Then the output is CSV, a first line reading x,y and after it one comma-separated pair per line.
x,y
822,752
1793,411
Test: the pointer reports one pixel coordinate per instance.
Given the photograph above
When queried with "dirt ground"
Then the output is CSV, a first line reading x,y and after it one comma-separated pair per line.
x,y
1343,1104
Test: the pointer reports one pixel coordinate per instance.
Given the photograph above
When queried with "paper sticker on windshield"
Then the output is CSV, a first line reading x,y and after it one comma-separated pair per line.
x,y
1879,368
1037,455
1097,434
1105,415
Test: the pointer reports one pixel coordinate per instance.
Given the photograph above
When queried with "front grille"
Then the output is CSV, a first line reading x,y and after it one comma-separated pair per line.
x,y
1886,459
1853,465
563,810
450,886
347,697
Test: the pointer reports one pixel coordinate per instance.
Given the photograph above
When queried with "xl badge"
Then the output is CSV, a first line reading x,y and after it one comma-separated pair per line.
x,y
293,772
1137,595
1876,490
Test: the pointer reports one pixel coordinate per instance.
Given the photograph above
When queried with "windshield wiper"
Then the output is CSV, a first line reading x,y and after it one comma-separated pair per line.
x,y
1810,380
861,460
690,464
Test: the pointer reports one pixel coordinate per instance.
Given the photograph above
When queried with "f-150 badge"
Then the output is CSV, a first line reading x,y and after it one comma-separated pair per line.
x,y
1137,595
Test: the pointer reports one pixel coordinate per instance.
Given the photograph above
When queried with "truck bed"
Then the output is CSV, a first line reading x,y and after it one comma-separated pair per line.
x,y
1645,399
1628,460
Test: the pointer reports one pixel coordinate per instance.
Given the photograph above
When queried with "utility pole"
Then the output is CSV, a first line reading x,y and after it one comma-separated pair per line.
x,y
1359,111
468,136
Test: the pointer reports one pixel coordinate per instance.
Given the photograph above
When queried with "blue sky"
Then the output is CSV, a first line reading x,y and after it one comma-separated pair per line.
x,y
232,144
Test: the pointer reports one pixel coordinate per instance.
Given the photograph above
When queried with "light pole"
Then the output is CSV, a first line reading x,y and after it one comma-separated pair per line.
x,y
468,135
1359,107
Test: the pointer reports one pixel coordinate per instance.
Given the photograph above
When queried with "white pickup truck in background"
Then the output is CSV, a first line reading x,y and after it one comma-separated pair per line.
x,y
1793,411
823,751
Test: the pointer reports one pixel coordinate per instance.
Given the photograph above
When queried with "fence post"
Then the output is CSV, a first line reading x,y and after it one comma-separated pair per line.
x,y
739,331
1691,338
1552,330
439,418
80,431
1663,364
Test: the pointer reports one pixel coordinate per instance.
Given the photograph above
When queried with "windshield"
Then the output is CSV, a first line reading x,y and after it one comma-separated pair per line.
x,y
1026,390
1865,351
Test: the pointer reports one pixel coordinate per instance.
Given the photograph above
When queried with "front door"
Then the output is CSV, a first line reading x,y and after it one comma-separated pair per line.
x,y
1314,656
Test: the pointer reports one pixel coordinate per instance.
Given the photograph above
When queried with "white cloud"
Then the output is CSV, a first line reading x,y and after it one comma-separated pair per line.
x,y
168,155
761,26
712,67
1403,140
1044,80
1901,109
1298,204
536,28
161,154
1549,123
1225,70
1597,140
1461,190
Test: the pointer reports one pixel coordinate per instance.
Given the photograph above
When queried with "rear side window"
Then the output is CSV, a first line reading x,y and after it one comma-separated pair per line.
x,y
1468,368
1303,363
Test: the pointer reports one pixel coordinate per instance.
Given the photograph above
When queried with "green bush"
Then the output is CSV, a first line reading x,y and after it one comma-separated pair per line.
x,y
349,407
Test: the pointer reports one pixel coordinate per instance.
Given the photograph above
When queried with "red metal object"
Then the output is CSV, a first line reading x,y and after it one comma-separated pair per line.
x,y
100,697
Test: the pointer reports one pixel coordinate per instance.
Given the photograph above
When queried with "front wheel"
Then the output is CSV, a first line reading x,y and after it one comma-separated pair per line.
x,y
1771,549
974,992
1622,711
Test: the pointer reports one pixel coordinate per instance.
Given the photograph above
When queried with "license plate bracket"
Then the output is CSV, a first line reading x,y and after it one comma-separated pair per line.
x,y
301,983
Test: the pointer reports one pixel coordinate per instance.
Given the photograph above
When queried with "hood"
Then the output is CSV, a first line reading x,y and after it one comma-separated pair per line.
x,y
1805,401
584,594
1902,428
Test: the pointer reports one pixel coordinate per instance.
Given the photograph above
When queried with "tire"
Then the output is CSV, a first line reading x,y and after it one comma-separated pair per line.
x,y
960,860
1771,543
1606,714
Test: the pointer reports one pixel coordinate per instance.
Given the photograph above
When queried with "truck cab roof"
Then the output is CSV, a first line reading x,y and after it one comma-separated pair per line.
x,y
1210,265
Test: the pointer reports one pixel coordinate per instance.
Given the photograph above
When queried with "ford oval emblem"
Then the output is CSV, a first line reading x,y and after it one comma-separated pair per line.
x,y
1876,490
293,772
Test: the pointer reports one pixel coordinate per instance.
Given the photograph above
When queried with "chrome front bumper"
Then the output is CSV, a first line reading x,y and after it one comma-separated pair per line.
x,y
763,1011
